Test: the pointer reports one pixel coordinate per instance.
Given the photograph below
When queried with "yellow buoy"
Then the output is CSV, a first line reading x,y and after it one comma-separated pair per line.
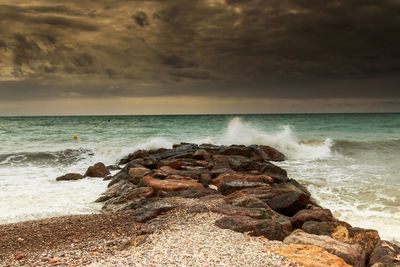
x,y
75,137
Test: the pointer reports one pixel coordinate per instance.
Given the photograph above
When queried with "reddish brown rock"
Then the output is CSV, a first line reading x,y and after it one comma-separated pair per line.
x,y
273,154
228,187
310,256
351,254
315,214
97,170
116,190
229,210
136,174
70,177
170,185
243,177
151,211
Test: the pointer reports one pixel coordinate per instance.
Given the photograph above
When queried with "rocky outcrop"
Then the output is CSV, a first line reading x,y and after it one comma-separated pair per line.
x,y
97,170
70,177
253,195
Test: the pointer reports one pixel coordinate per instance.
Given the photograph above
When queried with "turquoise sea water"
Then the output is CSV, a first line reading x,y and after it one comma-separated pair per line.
x,y
350,162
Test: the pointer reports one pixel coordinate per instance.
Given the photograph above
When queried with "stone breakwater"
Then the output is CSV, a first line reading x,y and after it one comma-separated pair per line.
x,y
253,196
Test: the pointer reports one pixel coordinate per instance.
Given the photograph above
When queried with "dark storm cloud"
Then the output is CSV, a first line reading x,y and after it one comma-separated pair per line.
x,y
261,48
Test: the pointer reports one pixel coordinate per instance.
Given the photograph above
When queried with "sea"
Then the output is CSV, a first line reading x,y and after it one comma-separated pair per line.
x,y
349,162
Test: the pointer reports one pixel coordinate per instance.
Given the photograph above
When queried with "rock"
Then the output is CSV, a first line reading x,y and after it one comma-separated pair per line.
x,y
273,154
205,179
174,164
97,170
170,185
270,229
113,167
228,187
290,199
237,223
151,211
121,175
116,190
135,174
229,210
277,173
70,177
201,154
135,194
325,228
253,152
385,254
310,256
107,178
242,177
315,214
343,232
192,193
19,257
249,202
351,254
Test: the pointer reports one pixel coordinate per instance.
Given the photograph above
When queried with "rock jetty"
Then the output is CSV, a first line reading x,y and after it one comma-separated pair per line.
x,y
249,193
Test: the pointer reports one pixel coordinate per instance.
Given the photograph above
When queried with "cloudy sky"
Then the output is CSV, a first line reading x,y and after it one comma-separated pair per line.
x,y
199,56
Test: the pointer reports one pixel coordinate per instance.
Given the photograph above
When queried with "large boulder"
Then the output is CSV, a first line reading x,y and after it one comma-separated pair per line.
x,y
310,256
97,170
135,174
315,214
273,154
123,201
352,254
228,187
242,177
270,229
385,254
70,177
342,231
170,184
201,154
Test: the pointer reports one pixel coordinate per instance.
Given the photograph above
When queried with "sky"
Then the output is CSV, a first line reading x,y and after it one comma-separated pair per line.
x,y
199,56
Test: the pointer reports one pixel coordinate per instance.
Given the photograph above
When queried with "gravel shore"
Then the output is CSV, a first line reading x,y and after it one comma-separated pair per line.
x,y
177,238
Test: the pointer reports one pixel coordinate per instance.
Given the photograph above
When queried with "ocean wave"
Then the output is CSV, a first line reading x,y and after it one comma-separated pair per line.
x,y
285,140
63,157
347,147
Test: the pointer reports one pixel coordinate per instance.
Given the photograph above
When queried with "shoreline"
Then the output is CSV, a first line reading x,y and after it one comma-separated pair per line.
x,y
234,188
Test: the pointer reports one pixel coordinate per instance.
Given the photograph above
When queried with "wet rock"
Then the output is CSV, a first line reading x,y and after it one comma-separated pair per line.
x,y
248,202
272,153
385,254
351,254
315,214
151,211
228,187
277,173
201,154
97,170
310,256
70,177
121,175
136,174
242,177
270,229
107,178
237,223
170,185
116,190
205,179
229,210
